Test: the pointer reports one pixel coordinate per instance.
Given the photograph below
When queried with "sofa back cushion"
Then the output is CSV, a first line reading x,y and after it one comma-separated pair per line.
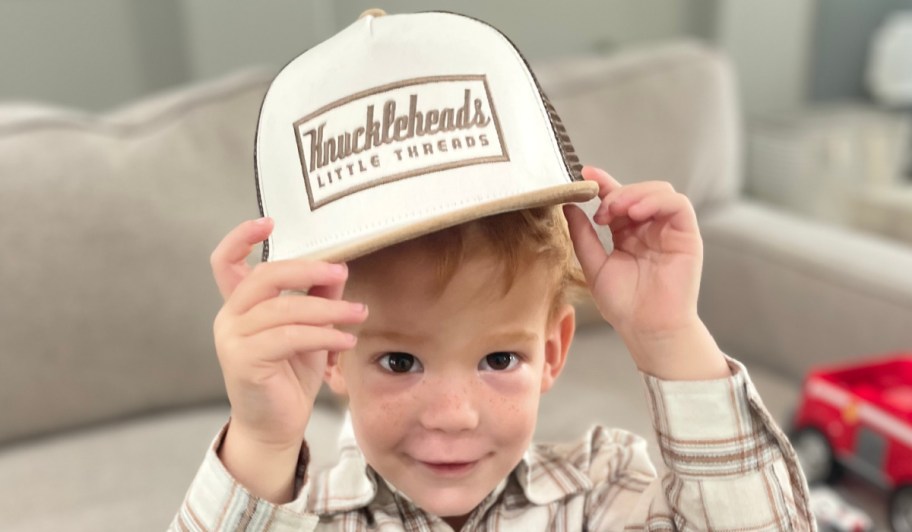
x,y
108,224
661,112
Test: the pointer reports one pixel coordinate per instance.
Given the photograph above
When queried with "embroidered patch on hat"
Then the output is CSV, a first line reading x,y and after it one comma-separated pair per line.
x,y
400,125
397,131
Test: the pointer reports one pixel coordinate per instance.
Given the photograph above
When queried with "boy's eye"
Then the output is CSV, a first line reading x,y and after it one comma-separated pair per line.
x,y
399,362
500,361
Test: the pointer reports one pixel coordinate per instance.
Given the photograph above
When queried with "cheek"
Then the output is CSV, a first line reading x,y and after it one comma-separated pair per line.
x,y
512,404
381,407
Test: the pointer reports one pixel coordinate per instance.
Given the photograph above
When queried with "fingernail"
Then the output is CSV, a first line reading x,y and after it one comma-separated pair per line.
x,y
359,307
262,221
339,268
351,338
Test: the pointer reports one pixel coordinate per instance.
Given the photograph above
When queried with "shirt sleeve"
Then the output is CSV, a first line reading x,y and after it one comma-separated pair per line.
x,y
729,466
216,501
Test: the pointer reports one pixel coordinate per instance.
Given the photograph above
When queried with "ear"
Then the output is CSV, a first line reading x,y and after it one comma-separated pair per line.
x,y
559,336
333,374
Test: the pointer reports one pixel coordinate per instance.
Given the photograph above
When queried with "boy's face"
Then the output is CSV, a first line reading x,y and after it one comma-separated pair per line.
x,y
444,390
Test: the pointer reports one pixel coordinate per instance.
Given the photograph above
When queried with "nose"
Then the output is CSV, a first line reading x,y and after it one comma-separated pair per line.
x,y
449,405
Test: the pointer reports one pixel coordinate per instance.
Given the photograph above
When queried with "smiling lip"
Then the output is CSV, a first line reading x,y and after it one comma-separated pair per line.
x,y
450,469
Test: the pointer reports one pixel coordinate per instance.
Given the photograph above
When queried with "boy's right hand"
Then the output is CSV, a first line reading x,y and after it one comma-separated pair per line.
x,y
273,347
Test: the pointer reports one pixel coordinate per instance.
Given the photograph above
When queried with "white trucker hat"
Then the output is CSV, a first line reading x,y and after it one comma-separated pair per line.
x,y
401,125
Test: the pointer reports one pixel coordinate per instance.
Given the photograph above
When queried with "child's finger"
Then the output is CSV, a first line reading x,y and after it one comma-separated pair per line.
x,y
301,310
618,224
619,200
675,207
605,182
269,279
586,244
329,291
229,259
280,343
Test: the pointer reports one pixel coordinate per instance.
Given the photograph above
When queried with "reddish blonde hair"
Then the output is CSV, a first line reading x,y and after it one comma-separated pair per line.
x,y
516,240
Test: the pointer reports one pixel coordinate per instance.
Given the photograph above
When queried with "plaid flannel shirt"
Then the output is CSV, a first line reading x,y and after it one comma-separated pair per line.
x,y
729,468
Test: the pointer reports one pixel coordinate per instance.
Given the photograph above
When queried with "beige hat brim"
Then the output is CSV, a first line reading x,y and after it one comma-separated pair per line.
x,y
576,192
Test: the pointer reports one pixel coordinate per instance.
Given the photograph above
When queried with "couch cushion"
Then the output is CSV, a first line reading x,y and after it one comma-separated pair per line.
x,y
794,293
127,476
665,112
108,223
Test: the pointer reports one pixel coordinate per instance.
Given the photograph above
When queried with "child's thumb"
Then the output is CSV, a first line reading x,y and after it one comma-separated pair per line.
x,y
586,243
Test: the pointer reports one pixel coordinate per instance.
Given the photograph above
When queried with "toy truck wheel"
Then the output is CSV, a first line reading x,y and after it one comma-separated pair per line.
x,y
901,509
815,455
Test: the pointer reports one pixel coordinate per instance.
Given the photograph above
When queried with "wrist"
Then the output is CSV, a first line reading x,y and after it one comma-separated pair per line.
x,y
685,353
266,470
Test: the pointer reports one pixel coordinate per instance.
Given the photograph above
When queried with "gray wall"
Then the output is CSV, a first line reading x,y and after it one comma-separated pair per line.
x,y
842,31
73,52
769,42
545,28
97,54
224,35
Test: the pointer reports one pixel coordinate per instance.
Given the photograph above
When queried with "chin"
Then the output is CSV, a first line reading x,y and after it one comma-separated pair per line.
x,y
449,502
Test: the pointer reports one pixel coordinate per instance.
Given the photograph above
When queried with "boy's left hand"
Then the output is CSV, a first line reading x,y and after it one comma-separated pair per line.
x,y
647,287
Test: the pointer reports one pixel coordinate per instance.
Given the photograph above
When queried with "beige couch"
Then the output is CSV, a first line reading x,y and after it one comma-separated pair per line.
x,y
109,382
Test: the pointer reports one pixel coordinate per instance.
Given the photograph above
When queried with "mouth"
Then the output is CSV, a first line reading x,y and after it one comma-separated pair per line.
x,y
450,469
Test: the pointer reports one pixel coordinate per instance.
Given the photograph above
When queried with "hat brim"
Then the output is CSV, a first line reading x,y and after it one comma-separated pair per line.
x,y
576,192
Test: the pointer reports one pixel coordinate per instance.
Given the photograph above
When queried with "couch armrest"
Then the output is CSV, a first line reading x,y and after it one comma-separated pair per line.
x,y
791,293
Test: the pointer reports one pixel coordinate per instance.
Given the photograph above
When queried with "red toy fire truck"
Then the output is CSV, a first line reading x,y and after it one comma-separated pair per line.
x,y
860,417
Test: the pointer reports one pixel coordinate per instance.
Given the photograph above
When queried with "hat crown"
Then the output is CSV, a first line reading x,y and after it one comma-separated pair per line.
x,y
396,121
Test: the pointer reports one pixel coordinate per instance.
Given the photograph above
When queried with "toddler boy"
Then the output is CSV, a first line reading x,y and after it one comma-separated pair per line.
x,y
452,314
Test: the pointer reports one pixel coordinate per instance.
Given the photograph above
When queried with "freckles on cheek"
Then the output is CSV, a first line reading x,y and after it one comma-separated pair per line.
x,y
379,425
389,414
382,405
514,423
515,399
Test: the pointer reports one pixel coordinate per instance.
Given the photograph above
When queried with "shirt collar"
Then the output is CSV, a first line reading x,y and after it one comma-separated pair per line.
x,y
546,476
543,476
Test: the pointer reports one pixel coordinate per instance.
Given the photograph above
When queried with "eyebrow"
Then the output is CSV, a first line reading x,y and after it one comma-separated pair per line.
x,y
397,336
